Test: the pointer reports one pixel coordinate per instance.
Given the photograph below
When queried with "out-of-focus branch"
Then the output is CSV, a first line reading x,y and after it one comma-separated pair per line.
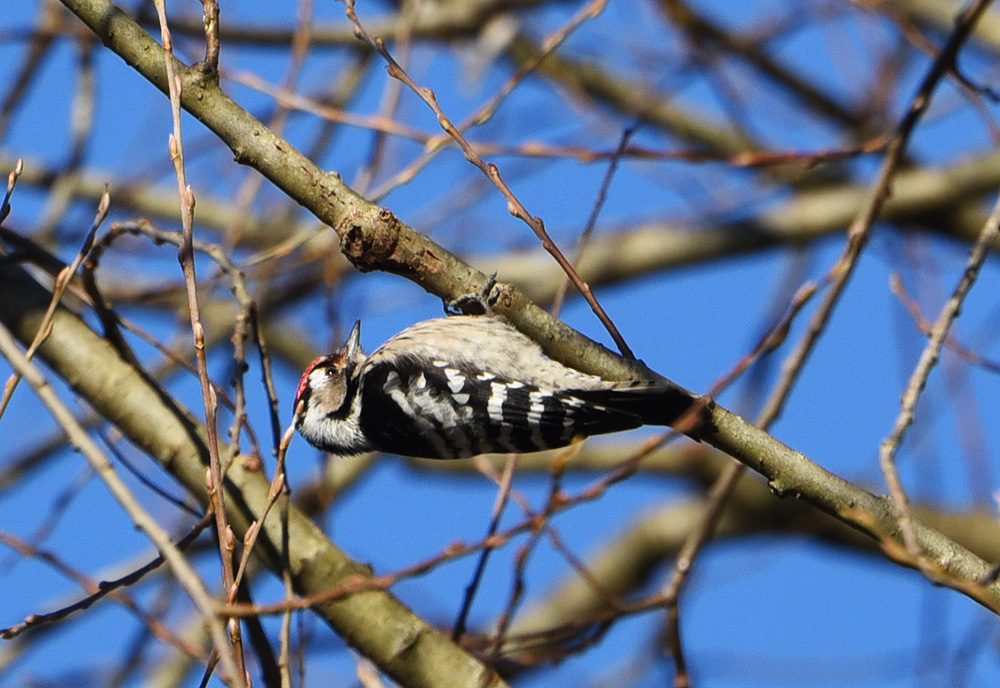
x,y
622,566
182,569
374,239
154,202
442,19
945,200
375,622
702,29
445,20
939,15
634,99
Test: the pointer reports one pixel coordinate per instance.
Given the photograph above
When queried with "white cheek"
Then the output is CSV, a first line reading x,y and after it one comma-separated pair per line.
x,y
329,393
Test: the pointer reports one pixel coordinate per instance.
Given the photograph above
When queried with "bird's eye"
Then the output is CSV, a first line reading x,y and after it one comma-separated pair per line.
x,y
329,372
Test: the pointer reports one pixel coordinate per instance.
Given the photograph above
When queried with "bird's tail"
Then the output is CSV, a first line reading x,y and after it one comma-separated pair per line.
x,y
657,404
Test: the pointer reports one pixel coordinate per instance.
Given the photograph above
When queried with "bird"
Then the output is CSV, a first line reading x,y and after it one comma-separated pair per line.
x,y
463,385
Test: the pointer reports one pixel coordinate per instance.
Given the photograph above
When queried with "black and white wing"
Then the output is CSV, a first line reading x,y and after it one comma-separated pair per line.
x,y
461,413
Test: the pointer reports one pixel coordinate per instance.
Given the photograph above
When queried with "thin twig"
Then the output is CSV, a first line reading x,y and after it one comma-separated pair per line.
x,y
129,466
925,326
499,504
595,211
539,525
860,228
285,658
278,485
918,378
514,206
682,678
12,178
391,98
538,149
210,20
62,281
486,111
716,501
234,653
252,182
78,437
99,590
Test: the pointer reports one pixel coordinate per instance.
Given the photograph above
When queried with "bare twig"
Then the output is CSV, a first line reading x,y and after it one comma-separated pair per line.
x,y
925,326
514,206
62,281
595,211
185,574
279,486
211,24
391,97
285,659
503,493
918,379
252,183
234,653
102,589
539,524
12,178
486,111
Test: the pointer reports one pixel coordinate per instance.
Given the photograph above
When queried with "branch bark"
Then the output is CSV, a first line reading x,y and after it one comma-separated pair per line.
x,y
374,622
374,239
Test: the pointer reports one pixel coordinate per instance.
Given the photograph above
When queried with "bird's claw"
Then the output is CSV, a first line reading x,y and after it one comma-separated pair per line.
x,y
479,303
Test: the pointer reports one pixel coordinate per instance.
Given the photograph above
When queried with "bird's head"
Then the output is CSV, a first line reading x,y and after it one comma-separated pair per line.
x,y
324,383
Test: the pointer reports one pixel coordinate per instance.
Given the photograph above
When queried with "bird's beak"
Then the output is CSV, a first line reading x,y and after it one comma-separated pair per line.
x,y
352,347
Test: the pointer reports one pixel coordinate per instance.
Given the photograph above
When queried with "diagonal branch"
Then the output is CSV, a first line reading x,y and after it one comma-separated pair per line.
x,y
374,622
374,239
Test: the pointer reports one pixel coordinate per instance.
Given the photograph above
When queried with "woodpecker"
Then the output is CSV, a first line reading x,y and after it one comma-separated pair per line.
x,y
459,386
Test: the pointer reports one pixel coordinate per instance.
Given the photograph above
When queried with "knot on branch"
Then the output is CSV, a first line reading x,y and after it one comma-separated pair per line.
x,y
370,244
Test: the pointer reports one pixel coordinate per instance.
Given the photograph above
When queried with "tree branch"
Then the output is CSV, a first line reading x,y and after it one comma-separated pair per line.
x,y
375,622
374,239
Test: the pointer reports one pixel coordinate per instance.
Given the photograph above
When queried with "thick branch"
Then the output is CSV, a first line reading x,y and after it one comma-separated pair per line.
x,y
398,641
373,238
